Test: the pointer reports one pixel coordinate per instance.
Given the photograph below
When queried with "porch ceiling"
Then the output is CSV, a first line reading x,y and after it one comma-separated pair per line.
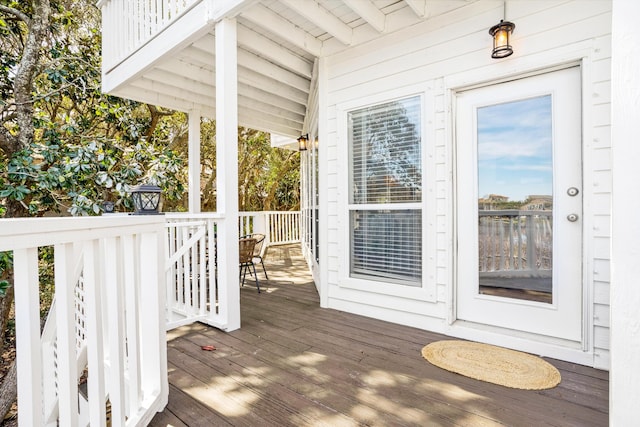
x,y
278,43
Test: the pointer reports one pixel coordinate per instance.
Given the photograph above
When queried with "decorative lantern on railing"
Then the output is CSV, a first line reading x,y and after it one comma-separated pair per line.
x,y
146,199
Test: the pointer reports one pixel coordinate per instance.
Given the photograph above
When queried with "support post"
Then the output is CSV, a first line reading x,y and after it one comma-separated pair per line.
x,y
624,386
227,168
194,162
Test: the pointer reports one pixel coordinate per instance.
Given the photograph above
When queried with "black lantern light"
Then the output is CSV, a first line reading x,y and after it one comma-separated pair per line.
x,y
501,34
146,199
302,142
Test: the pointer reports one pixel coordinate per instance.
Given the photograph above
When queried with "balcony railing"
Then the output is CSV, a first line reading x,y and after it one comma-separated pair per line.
x,y
101,350
194,292
120,282
129,24
515,242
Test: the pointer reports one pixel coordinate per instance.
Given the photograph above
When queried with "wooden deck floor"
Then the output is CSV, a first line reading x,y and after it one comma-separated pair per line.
x,y
295,364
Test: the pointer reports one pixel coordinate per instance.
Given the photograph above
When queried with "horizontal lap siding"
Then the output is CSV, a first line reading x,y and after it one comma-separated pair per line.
x,y
456,44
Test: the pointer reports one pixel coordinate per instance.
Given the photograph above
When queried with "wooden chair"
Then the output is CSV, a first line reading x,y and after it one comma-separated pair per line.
x,y
257,251
247,247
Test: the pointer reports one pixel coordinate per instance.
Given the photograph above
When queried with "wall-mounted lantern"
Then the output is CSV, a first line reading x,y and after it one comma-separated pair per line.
x,y
501,34
146,199
302,142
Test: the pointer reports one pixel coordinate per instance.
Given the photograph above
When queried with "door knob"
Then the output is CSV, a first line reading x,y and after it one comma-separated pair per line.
x,y
572,191
572,217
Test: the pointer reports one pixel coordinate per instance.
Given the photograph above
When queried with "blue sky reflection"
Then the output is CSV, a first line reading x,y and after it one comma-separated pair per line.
x,y
515,148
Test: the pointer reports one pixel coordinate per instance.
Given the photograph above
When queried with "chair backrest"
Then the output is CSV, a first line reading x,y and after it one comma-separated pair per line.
x,y
257,251
246,246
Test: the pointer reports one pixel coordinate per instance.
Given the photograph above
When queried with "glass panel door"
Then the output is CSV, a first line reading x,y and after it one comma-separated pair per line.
x,y
519,205
515,205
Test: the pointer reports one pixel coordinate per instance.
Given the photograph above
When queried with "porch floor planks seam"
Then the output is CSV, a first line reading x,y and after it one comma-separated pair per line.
x,y
347,385
387,384
384,360
587,416
248,399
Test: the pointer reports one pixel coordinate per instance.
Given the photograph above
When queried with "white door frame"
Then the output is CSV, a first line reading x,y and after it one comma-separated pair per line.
x,y
497,73
561,318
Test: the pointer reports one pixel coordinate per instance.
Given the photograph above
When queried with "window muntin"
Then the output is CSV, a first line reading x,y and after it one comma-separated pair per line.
x,y
385,191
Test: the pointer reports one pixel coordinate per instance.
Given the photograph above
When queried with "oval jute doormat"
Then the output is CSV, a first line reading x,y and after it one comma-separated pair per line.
x,y
493,364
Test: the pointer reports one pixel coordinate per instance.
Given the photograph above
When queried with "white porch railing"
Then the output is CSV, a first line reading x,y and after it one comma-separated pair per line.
x,y
279,227
129,24
194,292
102,353
515,242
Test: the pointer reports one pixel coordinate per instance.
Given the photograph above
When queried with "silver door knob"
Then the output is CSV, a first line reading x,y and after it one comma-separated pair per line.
x,y
572,217
572,191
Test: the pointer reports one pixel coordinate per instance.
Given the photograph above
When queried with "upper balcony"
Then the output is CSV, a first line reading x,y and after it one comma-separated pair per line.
x,y
164,52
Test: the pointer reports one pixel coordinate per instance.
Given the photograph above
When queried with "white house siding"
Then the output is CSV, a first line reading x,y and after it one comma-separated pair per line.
x,y
449,51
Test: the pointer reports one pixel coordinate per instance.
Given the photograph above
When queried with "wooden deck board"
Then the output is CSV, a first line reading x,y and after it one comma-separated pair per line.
x,y
295,364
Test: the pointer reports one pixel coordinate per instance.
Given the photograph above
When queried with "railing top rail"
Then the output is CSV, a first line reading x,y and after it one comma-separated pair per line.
x,y
513,212
187,215
16,233
185,224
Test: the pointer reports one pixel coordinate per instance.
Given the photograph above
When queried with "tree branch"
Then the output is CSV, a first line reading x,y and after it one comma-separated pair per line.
x,y
15,12
23,83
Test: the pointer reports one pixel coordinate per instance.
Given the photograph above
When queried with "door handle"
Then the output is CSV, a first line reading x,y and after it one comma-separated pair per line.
x,y
572,217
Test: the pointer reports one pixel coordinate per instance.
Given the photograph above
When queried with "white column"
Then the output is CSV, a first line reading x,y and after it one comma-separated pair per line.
x,y
323,184
194,162
624,386
227,168
29,357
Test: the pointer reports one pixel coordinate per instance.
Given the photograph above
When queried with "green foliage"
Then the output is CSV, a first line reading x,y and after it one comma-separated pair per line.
x,y
87,147
6,263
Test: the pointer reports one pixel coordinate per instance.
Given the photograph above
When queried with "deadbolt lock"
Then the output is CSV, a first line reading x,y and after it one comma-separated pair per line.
x,y
572,217
572,191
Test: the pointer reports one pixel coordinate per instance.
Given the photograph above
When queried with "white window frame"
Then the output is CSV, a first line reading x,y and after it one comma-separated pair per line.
x,y
427,289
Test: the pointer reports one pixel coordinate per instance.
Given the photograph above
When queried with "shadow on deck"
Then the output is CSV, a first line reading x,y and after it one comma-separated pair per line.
x,y
293,363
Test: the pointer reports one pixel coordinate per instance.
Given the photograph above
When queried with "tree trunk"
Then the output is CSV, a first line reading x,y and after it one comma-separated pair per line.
x,y
38,25
8,390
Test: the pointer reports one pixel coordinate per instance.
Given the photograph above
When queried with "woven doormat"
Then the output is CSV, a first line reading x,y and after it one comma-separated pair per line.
x,y
493,364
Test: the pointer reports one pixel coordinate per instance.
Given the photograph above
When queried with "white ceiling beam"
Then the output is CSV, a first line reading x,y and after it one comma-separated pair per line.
x,y
173,91
188,84
318,15
191,54
269,69
252,41
185,69
277,97
228,8
369,12
267,123
274,23
419,7
161,100
255,79
261,65
270,98
270,109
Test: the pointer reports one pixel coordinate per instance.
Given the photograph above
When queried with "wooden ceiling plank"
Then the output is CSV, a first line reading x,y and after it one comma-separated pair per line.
x,y
252,41
274,23
319,16
369,12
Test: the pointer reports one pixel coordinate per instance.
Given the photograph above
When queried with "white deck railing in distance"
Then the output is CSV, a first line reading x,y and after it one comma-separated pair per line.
x,y
284,227
515,242
98,328
279,227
